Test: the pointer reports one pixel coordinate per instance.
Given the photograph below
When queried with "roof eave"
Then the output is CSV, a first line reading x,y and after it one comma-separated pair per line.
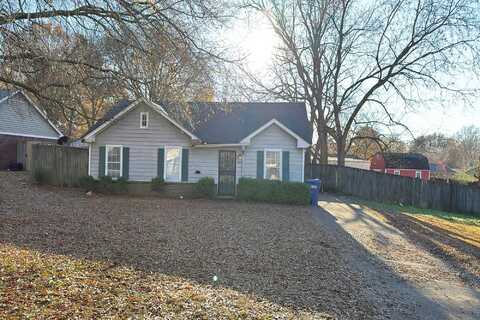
x,y
41,112
90,137
301,143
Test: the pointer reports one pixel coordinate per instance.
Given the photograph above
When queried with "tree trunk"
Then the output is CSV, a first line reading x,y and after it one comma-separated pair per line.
x,y
340,152
322,147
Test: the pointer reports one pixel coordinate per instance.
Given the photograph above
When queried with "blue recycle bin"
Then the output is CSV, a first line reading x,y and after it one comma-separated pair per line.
x,y
314,190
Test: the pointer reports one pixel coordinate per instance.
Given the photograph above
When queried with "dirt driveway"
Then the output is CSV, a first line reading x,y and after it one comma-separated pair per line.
x,y
320,261
412,259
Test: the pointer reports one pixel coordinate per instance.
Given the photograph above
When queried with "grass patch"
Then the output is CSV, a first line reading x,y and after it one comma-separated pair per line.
x,y
463,177
453,217
460,226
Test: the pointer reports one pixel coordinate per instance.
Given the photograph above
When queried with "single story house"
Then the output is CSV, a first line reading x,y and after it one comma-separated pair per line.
x,y
140,140
412,165
21,123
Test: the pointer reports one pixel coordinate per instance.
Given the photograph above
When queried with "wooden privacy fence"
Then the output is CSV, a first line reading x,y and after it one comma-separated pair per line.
x,y
389,188
64,165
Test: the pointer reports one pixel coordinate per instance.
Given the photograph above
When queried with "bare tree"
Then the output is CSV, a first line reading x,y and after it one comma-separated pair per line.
x,y
182,23
162,71
344,57
77,95
468,139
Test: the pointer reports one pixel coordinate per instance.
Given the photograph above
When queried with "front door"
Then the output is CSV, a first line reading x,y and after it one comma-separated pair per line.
x,y
226,173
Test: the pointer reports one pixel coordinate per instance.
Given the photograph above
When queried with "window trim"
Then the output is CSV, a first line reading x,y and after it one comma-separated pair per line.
x,y
141,118
265,163
121,158
165,163
419,173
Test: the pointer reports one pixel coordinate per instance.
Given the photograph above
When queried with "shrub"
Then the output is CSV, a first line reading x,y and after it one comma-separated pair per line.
x,y
158,184
205,187
87,183
120,185
273,191
41,176
105,184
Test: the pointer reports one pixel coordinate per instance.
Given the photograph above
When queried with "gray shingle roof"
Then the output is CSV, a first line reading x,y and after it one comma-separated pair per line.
x,y
114,110
231,122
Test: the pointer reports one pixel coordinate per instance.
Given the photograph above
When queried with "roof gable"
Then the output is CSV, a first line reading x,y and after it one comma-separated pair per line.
x,y
123,108
301,143
237,121
228,123
20,116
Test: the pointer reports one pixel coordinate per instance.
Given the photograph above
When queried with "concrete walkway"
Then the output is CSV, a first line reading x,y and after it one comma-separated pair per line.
x,y
407,281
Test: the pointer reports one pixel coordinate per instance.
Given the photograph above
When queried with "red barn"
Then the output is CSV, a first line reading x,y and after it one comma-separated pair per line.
x,y
412,165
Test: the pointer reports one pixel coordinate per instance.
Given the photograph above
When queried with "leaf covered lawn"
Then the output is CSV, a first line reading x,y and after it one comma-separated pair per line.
x,y
39,285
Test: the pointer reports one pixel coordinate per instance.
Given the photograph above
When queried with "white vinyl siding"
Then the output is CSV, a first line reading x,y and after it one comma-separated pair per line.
x,y
273,138
203,162
18,116
143,143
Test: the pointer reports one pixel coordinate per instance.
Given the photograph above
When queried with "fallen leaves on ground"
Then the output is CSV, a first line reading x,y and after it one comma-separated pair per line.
x,y
38,285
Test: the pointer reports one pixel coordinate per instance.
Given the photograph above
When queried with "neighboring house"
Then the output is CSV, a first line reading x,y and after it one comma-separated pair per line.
x,y
140,140
352,163
21,122
412,165
78,144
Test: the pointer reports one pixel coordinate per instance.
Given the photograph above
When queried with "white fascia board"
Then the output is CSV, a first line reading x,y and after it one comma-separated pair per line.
x,y
162,111
88,137
27,135
301,143
91,136
220,145
42,113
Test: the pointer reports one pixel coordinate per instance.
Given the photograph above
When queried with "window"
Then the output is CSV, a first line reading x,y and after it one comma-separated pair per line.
x,y
143,120
172,164
113,165
418,174
273,164
396,172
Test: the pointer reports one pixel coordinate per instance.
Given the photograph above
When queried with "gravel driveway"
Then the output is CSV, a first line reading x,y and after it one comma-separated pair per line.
x,y
433,277
298,257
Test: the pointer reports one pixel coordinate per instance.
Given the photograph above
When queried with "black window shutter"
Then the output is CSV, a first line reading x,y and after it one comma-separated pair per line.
x,y
160,162
285,165
101,161
185,164
259,164
126,162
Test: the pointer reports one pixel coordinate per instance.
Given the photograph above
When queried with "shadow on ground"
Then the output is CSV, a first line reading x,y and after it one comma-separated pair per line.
x,y
432,257
294,256
460,255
